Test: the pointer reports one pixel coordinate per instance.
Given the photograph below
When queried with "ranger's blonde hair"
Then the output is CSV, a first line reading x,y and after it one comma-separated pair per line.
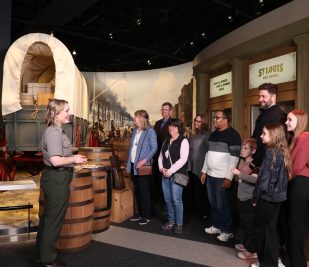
x,y
54,107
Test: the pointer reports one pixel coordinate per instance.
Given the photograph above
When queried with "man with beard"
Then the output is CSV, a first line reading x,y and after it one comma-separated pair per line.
x,y
270,113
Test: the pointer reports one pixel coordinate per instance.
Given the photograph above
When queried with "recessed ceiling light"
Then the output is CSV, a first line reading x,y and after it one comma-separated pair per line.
x,y
203,34
139,21
230,18
74,52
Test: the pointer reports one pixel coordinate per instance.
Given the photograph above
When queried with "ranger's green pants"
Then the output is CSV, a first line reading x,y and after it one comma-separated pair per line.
x,y
56,187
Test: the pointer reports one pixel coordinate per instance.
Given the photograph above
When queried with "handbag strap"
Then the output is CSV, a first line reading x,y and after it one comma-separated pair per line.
x,y
169,154
142,144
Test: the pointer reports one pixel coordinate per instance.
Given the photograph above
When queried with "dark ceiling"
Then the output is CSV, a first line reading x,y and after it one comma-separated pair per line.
x,y
169,32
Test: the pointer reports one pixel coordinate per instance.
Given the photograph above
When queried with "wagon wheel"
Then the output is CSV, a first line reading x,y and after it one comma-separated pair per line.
x,y
7,166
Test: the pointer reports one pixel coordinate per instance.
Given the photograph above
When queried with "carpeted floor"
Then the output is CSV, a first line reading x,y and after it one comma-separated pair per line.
x,y
22,254
193,229
97,254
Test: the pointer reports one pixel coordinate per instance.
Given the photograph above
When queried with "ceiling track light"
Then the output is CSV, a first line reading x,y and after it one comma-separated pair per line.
x,y
203,34
111,36
139,21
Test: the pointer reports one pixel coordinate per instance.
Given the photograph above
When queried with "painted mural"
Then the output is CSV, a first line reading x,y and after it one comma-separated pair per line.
x,y
115,96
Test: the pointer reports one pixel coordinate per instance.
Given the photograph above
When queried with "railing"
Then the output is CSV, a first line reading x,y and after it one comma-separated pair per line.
x,y
18,230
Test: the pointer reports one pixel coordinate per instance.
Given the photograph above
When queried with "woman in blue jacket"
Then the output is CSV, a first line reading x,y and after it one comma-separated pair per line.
x,y
143,146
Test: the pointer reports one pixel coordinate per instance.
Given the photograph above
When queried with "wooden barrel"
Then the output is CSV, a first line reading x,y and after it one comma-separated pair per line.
x,y
121,149
102,190
26,99
97,155
77,229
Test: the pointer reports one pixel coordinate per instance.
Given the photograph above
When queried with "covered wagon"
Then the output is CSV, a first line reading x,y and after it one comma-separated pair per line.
x,y
37,67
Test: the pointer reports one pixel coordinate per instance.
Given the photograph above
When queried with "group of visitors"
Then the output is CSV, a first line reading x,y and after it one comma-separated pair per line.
x,y
271,168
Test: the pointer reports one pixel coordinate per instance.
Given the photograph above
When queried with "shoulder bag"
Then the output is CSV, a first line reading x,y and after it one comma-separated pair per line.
x,y
146,169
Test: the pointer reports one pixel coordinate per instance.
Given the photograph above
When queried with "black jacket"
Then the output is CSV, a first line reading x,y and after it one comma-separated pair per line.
x,y
162,134
272,182
174,152
270,115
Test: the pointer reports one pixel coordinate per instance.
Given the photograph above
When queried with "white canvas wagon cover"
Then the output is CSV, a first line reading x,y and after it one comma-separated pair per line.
x,y
35,56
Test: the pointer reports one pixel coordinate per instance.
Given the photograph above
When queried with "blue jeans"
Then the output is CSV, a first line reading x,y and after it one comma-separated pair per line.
x,y
173,197
220,204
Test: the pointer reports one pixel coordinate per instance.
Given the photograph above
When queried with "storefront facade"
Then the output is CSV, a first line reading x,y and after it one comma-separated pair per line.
x,y
253,48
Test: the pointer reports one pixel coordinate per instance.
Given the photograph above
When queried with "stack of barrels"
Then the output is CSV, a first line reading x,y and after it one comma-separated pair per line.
x,y
102,184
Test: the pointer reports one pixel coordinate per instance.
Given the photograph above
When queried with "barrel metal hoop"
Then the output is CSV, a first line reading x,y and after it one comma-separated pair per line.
x,y
75,188
98,168
77,175
101,217
99,191
83,203
101,209
98,177
75,236
79,220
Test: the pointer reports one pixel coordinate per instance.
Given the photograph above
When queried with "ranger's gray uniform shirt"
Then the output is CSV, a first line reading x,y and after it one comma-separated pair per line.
x,y
55,143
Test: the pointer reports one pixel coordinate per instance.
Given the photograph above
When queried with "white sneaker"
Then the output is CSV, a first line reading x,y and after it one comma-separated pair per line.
x,y
280,264
224,237
246,255
212,230
240,247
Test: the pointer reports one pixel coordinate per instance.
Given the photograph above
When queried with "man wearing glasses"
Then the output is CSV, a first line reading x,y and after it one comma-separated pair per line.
x,y
221,158
161,128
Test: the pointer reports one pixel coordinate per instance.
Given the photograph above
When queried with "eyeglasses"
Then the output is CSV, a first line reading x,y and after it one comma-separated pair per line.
x,y
198,121
218,117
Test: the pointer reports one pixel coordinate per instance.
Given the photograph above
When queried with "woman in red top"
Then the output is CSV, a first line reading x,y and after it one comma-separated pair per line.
x,y
298,194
